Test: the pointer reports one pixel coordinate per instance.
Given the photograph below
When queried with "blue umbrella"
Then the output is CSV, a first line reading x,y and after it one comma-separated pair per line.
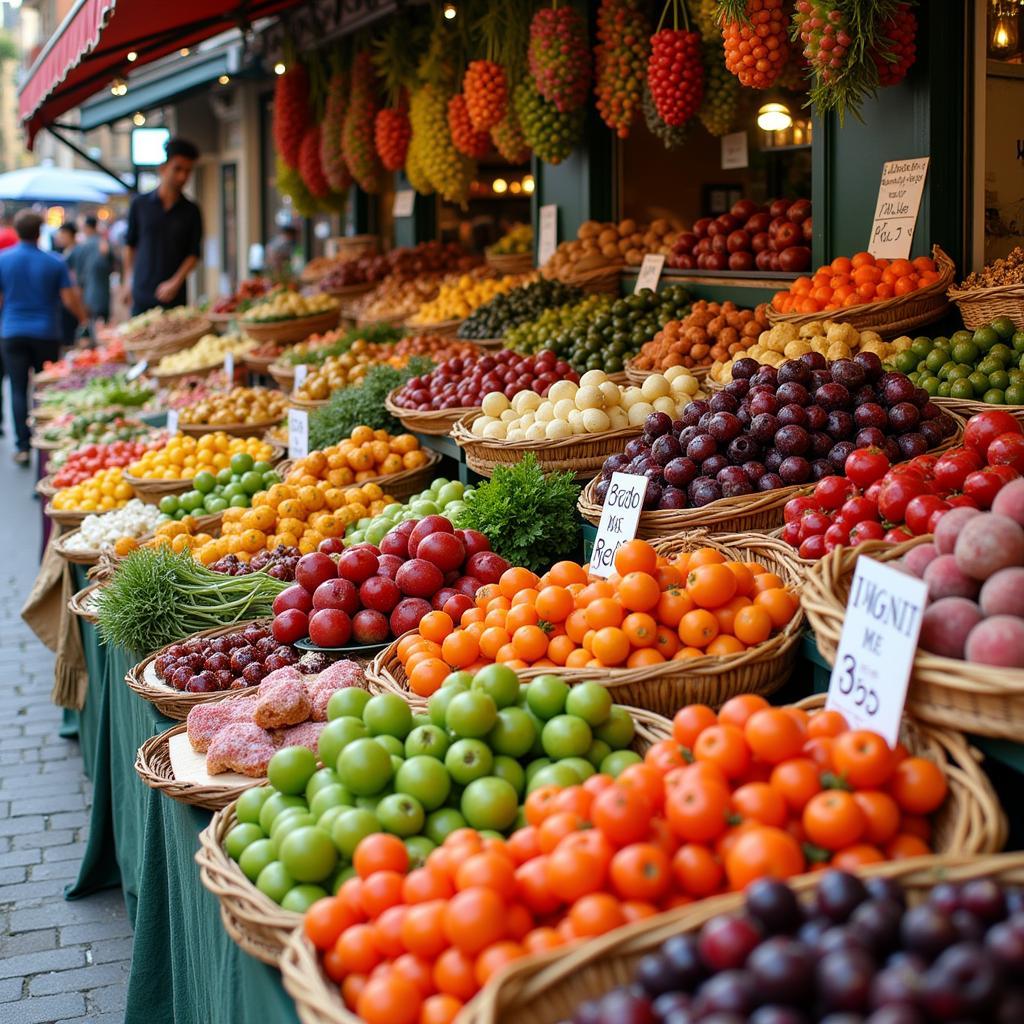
x,y
53,185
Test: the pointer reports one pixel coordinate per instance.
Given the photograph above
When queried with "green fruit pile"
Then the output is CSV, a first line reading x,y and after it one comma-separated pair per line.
x,y
232,487
442,498
432,150
548,133
484,745
601,333
508,139
496,318
721,91
986,365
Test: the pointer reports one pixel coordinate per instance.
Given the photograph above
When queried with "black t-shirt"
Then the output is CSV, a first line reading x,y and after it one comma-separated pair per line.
x,y
161,240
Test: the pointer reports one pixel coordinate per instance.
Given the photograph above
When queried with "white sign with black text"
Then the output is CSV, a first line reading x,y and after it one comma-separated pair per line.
x,y
650,272
876,650
298,433
548,239
734,151
899,200
619,519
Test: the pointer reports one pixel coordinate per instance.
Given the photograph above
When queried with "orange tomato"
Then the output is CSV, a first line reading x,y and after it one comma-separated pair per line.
x,y
639,591
640,629
610,645
725,747
918,785
603,611
711,586
635,556
773,736
436,626
554,604
797,780
762,852
530,643
460,649
566,573
832,819
724,644
726,614
862,758
752,625
779,603
673,604
515,579
698,628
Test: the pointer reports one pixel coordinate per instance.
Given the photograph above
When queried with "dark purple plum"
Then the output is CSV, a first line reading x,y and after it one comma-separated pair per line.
x,y
217,661
839,894
1006,944
921,398
792,370
814,361
844,980
601,490
864,394
687,434
832,396
774,905
930,411
878,923
821,468
754,470
703,422
840,424
653,495
241,658
648,439
732,991
733,481
795,469
640,464
203,682
792,440
962,984
722,401
765,375
904,417
693,412
737,388
775,1014
792,415
657,423
665,449
838,455
180,677
819,378
724,426
703,491
770,482
870,364
896,387
927,930
892,450
821,444
912,445
673,497
635,447
783,969
653,472
886,889
743,449
763,402
679,472
931,432
745,368
816,417
711,466
677,425
702,447
763,427
898,983
984,897
614,464
793,393
969,927
847,373
870,414
772,460
743,415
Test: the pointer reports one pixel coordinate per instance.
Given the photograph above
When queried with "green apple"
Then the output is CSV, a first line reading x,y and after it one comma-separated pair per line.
x,y
330,796
240,837
302,897
618,761
566,736
426,741
392,744
337,735
388,715
420,848
426,779
557,774
511,771
546,696
290,769
597,752
489,802
499,682
274,881
250,803
255,857
535,766
321,780
468,760
350,827
590,701
401,814
287,821
513,734
273,806
471,714
350,700
580,765
441,823
330,816
364,767
437,705
618,729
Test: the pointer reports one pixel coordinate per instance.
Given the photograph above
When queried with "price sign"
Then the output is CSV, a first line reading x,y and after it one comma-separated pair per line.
x,y
298,433
548,240
405,200
172,421
734,151
137,370
876,650
229,366
301,373
619,518
899,200
650,273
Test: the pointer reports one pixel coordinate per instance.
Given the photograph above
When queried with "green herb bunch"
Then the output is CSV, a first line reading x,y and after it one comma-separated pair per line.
x,y
362,404
157,597
375,334
529,518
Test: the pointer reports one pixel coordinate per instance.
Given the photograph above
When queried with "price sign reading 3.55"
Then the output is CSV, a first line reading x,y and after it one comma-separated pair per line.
x,y
619,519
876,650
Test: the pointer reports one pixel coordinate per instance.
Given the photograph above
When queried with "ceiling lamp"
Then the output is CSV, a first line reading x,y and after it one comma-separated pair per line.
x,y
138,119
279,68
450,10
132,56
774,117
224,79
499,185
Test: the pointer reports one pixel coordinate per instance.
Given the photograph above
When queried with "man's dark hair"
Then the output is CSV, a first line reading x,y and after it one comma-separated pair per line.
x,y
27,224
67,226
291,229
177,146
90,221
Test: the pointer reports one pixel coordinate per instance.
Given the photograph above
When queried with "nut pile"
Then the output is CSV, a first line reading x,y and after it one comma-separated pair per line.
x,y
604,245
1009,270
712,332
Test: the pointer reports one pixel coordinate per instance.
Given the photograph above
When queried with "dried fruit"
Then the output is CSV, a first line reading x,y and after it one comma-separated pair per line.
x,y
485,86
331,159
620,60
391,134
466,139
756,42
309,164
357,134
548,133
291,112
559,58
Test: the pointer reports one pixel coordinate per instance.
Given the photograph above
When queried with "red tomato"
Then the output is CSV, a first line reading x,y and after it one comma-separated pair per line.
x,y
897,535
814,523
796,507
953,467
866,465
813,547
984,427
858,510
960,500
837,535
920,511
984,484
1007,450
831,491
896,494
870,529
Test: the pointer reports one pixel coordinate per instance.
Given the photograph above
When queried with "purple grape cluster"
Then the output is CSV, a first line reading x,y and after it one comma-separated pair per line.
x,y
855,954
229,662
279,563
772,428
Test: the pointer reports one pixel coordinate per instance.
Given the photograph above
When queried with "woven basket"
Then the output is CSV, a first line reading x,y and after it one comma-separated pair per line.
x,y
350,291
308,404
80,603
986,701
967,408
153,766
199,371
42,445
582,454
232,429
63,517
151,491
442,327
663,689
509,262
259,364
296,329
45,487
980,306
436,422
174,703
399,485
550,987
219,319
174,343
75,557
283,375
599,281
889,317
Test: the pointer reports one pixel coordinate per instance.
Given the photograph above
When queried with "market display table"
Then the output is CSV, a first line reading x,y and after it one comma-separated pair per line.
x,y
185,968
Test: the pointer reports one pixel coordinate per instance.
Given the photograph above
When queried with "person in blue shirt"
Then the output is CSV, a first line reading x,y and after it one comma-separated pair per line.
x,y
34,285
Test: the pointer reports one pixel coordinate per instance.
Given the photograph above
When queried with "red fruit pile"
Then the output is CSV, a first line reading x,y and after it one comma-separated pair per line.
x,y
291,112
877,502
824,29
757,47
675,75
357,131
559,58
620,61
776,236
391,135
466,139
462,383
366,594
897,52
485,86
84,462
310,168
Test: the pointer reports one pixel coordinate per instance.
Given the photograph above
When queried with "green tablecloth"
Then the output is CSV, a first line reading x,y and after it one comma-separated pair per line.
x,y
185,969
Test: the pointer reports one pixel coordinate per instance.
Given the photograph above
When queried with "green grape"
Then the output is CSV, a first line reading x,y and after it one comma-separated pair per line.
x,y
721,92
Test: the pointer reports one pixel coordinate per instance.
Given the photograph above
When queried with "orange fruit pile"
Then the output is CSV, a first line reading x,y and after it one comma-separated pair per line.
x,y
364,455
854,280
650,611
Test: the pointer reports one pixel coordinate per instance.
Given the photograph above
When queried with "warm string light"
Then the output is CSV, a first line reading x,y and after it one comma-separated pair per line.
x,y
139,119
119,87
279,68
450,11
224,79
132,56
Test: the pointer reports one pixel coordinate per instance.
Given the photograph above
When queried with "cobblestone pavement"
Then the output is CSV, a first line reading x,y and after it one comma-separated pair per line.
x,y
59,960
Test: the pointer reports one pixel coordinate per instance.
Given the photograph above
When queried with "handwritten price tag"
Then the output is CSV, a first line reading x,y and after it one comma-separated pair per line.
x,y
899,200
619,519
229,366
137,370
876,650
301,373
650,273
548,236
298,433
172,421
405,200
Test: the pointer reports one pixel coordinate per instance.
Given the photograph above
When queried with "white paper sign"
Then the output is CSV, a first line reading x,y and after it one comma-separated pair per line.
x,y
298,433
650,272
301,373
899,200
876,650
229,366
734,151
172,421
405,200
137,370
619,519
548,238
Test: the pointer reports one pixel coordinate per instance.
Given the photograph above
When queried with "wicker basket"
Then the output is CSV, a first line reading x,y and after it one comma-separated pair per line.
x,y
980,306
889,317
297,329
599,281
175,343
945,691
170,378
232,429
582,454
307,404
442,327
399,485
219,319
283,375
550,987
45,487
80,603
153,766
436,422
967,407
42,445
664,688
69,554
64,517
509,262
259,364
349,291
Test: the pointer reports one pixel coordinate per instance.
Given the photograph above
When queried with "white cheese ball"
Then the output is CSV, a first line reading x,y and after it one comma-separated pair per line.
x,y
480,424
589,397
495,430
494,403
562,389
593,378
537,431
638,412
618,418
563,407
557,429
508,416
544,412
612,394
526,401
596,421
654,387
526,420
575,420
684,384
631,396
515,434
667,405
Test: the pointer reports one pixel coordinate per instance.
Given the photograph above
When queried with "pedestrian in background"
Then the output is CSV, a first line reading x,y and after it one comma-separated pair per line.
x,y
65,246
34,287
92,264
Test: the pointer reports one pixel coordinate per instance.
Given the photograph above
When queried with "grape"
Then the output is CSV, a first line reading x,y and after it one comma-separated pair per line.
x,y
549,134
495,318
620,59
898,33
447,170
508,139
357,130
824,29
559,58
721,92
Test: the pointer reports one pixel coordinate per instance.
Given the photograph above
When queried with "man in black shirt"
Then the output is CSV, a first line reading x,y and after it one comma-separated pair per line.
x,y
164,232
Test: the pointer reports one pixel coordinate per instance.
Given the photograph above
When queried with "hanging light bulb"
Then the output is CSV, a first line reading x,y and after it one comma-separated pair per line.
x,y
450,11
500,186
224,79
132,56
119,87
279,68
138,119
183,52
774,117
528,184
1004,37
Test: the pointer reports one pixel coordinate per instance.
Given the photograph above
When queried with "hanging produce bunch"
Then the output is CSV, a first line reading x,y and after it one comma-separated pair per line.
x,y
466,139
394,59
823,27
331,158
310,168
508,138
448,171
671,138
289,183
620,60
705,14
559,57
721,92
675,68
893,59
391,134
357,133
755,39
485,87
291,111
548,133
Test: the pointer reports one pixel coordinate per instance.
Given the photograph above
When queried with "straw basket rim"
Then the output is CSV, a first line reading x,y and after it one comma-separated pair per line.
x,y
231,429
65,517
439,327
171,344
968,407
78,603
71,555
436,422
294,329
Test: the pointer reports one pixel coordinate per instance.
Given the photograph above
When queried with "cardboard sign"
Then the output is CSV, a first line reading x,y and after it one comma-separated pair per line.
x,y
899,200
137,370
650,273
301,373
229,366
619,519
734,151
876,650
405,200
548,238
172,421
298,433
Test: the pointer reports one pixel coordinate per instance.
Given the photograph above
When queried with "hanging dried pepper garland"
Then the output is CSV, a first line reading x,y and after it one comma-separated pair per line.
x,y
357,142
755,39
620,60
331,158
291,108
559,56
675,68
